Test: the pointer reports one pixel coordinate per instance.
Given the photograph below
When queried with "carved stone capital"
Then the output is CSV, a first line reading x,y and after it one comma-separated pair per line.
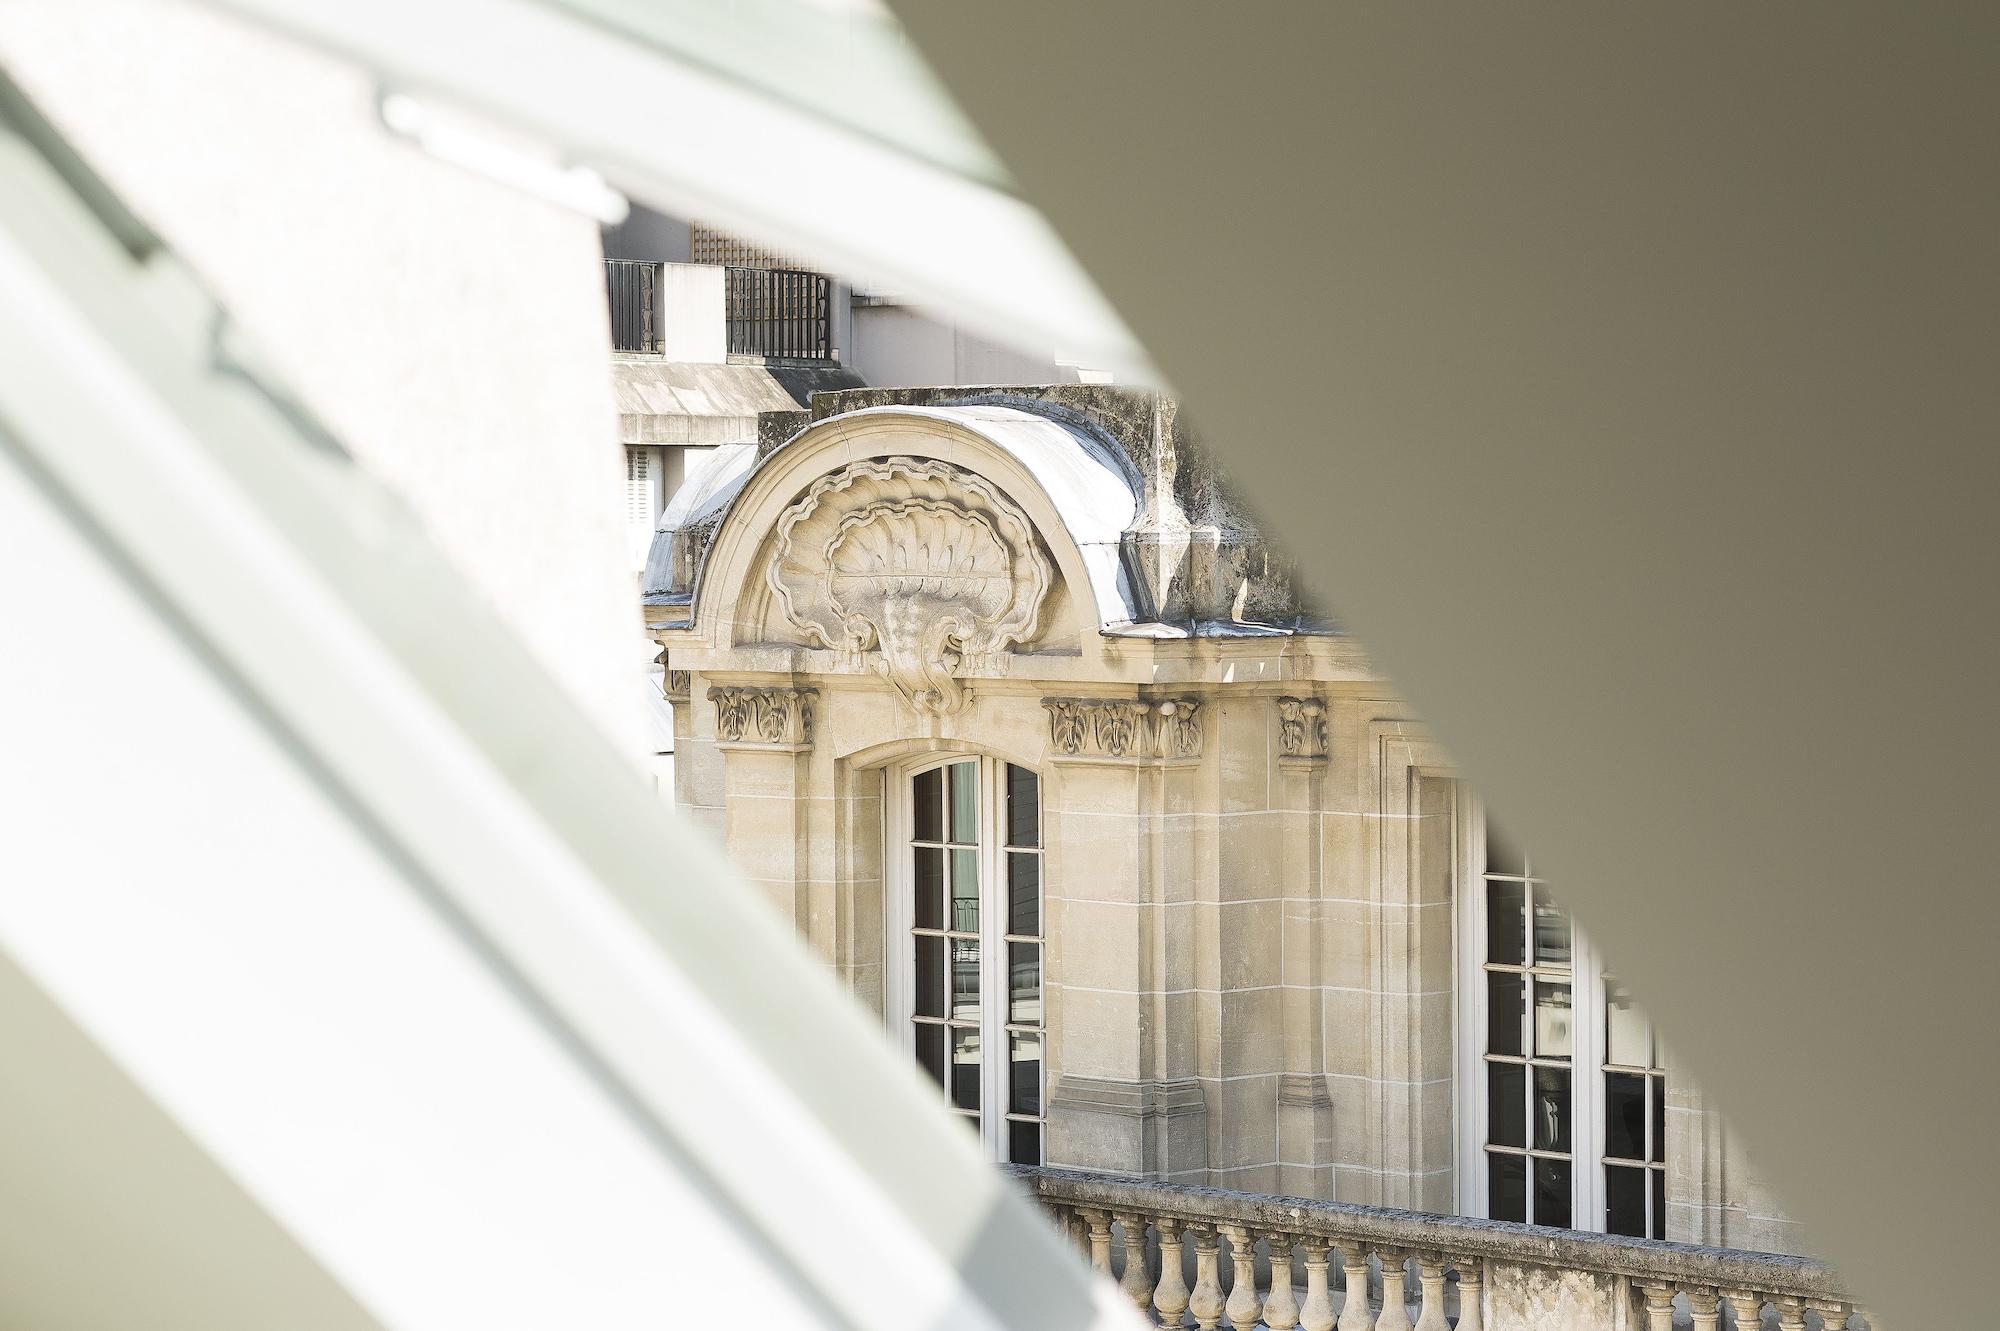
x,y
1126,729
776,717
917,570
1301,730
676,685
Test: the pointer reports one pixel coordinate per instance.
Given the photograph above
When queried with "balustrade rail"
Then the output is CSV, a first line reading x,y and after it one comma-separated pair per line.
x,y
779,312
1474,1275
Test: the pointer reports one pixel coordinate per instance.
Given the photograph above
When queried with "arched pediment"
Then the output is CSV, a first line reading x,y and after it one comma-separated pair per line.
x,y
926,545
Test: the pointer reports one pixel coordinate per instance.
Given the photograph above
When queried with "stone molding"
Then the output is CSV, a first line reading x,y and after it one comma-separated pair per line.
x,y
917,570
1301,731
1102,1095
1125,729
778,718
1303,1090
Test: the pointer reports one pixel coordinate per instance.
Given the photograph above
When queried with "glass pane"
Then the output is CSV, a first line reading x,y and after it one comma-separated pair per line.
x,y
1507,1187
1024,1086
1024,894
1552,1109
964,979
965,1067
1552,1193
1625,1200
1024,983
931,1051
1624,1116
1024,1143
1627,1041
1552,1020
1506,1104
927,804
965,803
1659,1090
1501,856
1504,996
930,976
1660,1206
1506,926
1024,807
1551,930
965,891
929,875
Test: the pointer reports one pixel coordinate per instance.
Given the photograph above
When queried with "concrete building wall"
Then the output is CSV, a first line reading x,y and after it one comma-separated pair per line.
x,y
895,346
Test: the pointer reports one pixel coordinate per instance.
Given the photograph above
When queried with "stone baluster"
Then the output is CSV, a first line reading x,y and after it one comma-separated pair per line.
x,y
1136,1284
1748,1305
1471,1294
1097,1229
1205,1302
1395,1314
1170,1296
1244,1307
1706,1306
1355,1314
1659,1306
1430,1278
1791,1315
1832,1316
1316,1314
1281,1308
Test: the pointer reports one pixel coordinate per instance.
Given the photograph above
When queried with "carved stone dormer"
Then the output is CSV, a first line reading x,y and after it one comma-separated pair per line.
x,y
766,717
917,570
1125,728
1301,731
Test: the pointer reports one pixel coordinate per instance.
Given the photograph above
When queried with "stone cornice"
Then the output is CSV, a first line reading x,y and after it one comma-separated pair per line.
x,y
1124,729
765,718
1134,1099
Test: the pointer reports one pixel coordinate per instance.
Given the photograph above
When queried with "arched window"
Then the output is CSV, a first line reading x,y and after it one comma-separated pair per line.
x,y
1562,1084
965,941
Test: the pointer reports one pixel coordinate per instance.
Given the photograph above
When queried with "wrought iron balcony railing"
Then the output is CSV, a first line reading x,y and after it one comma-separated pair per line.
x,y
1361,1263
781,312
634,287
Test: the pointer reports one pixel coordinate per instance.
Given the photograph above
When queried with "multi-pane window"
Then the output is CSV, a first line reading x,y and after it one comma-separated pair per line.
x,y
1568,1110
973,887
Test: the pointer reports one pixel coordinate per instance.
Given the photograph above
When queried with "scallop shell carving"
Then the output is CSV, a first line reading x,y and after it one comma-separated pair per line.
x,y
919,570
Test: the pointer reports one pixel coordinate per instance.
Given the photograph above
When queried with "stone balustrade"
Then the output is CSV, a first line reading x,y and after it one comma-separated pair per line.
x,y
1206,1257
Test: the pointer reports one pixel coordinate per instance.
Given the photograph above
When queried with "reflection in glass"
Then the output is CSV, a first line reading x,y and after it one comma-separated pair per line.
x,y
1024,982
1552,1109
1506,1104
1024,1091
1625,1200
965,1067
1024,807
965,891
1552,1192
1551,930
1024,1143
964,978
1024,894
1625,1116
927,804
1504,996
965,803
1501,856
930,996
1659,1089
1506,926
1627,1041
931,1051
1507,1186
1552,1019
929,876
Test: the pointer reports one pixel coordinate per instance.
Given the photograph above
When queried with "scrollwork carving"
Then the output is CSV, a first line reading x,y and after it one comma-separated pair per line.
x,y
763,716
1302,727
1130,728
917,570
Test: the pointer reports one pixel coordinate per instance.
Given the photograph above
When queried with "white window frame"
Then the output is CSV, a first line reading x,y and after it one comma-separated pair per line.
x,y
1588,994
899,978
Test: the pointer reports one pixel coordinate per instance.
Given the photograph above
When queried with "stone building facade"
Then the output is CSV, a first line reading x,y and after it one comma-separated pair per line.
x,y
1003,697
